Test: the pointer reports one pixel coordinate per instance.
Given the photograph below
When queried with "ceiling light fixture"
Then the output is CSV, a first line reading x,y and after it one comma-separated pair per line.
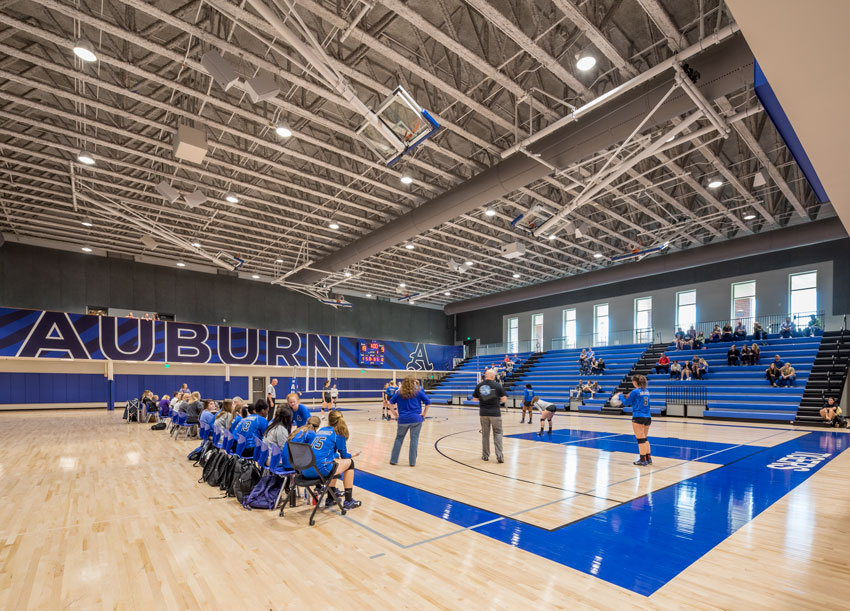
x,y
749,217
84,157
84,51
447,293
255,276
283,130
86,249
409,246
670,139
196,244
181,264
716,182
585,61
401,285
597,255
368,294
468,263
552,237
231,198
490,212
347,274
516,275
86,222
406,179
278,260
333,225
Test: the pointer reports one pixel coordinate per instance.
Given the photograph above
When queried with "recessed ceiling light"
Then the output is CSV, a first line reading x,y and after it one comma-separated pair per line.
x,y
283,130
347,274
401,285
670,139
278,260
490,212
585,62
406,179
86,222
181,264
368,294
231,198
196,244
552,237
85,157
516,275
597,255
447,293
84,51
86,249
409,246
715,183
468,263
255,276
333,226
749,217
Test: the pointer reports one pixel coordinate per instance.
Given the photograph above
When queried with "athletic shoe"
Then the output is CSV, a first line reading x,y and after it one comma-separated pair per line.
x,y
500,460
329,500
352,504
540,433
641,463
485,458
649,461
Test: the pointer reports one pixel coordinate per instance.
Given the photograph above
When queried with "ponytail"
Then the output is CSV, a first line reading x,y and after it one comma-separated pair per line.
x,y
313,424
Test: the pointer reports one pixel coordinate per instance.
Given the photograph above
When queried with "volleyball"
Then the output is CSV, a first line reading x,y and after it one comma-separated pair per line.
x,y
616,400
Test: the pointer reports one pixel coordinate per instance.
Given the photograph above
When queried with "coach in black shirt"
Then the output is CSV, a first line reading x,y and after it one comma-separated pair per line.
x,y
490,396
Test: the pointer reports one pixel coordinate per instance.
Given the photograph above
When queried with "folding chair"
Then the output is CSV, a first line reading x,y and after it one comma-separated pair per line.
x,y
278,465
261,452
241,442
146,417
182,425
301,458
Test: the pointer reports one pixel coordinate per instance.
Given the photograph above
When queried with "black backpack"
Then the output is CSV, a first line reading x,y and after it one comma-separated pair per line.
x,y
159,426
246,475
207,454
226,467
211,467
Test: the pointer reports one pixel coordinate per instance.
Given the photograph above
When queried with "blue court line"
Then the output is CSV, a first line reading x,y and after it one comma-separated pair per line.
x,y
642,544
662,447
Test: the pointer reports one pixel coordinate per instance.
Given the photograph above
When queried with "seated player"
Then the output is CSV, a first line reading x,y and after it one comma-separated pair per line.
x,y
254,425
528,403
332,456
831,412
547,410
788,329
663,364
300,412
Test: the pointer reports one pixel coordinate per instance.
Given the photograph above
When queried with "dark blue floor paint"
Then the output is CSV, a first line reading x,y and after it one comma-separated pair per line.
x,y
642,544
662,447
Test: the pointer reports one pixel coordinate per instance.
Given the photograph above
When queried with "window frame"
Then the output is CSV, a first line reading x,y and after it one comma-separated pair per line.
x,y
596,318
679,306
513,344
733,316
569,341
637,336
791,292
533,327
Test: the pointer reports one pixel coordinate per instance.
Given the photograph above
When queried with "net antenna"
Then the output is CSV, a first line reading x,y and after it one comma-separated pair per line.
x,y
397,126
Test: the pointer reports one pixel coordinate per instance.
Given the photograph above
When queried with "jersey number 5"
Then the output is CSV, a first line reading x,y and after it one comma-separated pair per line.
x,y
320,441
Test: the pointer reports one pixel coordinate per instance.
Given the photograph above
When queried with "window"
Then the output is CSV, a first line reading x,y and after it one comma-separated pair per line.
x,y
600,324
537,332
513,335
686,309
743,301
804,294
643,320
569,328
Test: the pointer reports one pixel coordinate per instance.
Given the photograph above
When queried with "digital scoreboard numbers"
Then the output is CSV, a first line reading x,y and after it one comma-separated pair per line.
x,y
371,354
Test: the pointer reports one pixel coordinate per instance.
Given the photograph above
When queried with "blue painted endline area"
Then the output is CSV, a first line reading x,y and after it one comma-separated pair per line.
x,y
642,544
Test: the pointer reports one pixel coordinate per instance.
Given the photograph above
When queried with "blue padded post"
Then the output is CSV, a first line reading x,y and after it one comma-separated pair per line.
x,y
110,395
227,389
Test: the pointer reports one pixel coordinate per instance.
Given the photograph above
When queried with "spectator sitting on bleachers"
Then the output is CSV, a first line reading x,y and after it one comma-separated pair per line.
x,y
699,341
759,334
831,412
755,354
686,371
576,392
733,356
675,369
686,342
740,331
787,375
716,334
582,359
813,327
592,362
679,334
772,374
509,365
789,329
702,370
778,361
745,355
600,366
663,364
593,388
727,333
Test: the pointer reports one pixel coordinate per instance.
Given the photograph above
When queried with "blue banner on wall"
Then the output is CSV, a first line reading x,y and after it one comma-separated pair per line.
x,y
44,334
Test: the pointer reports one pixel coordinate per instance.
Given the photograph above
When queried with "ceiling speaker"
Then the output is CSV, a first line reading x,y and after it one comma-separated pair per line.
x,y
190,144
167,191
195,198
220,69
261,88
149,241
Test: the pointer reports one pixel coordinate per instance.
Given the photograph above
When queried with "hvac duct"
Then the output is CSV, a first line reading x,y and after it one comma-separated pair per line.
x,y
725,68
762,243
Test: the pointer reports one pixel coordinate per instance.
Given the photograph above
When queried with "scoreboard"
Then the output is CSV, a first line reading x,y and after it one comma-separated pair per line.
x,y
371,353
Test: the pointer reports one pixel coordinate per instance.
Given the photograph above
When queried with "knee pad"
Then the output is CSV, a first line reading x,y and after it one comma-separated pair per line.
x,y
641,440
352,464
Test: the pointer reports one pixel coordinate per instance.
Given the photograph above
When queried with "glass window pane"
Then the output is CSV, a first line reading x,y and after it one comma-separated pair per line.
x,y
744,289
804,281
687,297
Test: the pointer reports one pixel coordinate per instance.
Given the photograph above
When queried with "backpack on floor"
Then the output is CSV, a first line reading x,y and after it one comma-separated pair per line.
x,y
246,475
211,467
265,493
159,426
197,452
207,453
227,467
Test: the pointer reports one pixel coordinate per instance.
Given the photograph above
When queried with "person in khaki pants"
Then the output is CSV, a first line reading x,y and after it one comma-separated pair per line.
x,y
490,396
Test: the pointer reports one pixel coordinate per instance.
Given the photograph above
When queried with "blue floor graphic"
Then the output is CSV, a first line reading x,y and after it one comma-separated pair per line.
x,y
642,544
662,447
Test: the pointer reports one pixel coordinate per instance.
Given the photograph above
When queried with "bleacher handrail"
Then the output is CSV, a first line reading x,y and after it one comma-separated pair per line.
x,y
771,323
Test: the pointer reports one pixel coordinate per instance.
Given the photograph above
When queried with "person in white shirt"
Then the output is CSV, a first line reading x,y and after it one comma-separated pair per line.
x,y
334,395
271,395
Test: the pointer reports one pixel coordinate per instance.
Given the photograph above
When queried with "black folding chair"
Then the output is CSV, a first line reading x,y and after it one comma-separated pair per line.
x,y
301,458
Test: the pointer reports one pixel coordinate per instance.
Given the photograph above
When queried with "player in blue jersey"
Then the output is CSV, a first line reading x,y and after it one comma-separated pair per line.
x,y
527,403
254,424
389,392
331,452
638,399
300,413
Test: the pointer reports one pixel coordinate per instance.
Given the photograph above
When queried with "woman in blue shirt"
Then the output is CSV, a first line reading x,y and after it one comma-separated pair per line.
x,y
527,404
408,400
329,442
638,399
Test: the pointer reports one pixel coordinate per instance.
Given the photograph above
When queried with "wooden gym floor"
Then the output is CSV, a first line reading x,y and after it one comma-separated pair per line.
x,y
100,514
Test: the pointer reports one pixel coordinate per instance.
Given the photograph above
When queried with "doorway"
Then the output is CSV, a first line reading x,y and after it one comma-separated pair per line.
x,y
258,389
